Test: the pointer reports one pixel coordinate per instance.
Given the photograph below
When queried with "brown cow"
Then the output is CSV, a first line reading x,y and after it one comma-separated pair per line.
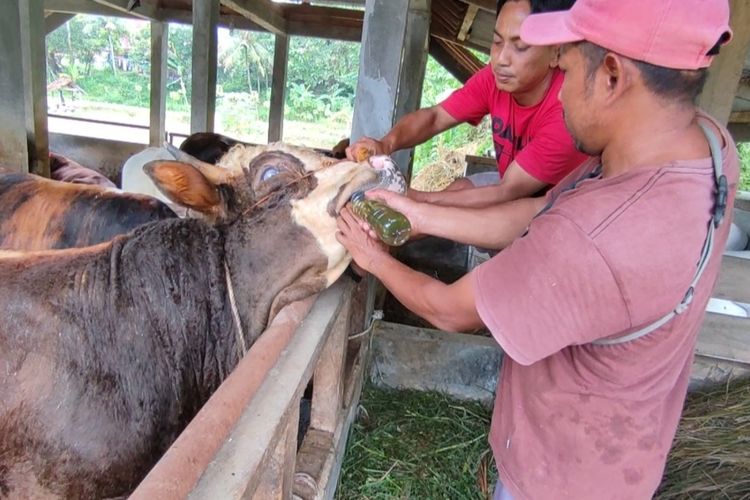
x,y
106,352
38,213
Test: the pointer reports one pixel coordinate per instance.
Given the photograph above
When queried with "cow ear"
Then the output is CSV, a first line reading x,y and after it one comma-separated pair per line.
x,y
185,185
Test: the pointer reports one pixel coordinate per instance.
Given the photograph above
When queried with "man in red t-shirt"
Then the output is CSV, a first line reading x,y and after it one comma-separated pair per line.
x,y
599,303
519,90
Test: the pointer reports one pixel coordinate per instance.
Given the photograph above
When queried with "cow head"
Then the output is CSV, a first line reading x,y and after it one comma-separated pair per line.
x,y
277,206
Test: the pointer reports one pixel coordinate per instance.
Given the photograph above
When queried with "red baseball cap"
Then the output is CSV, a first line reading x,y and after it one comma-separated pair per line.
x,y
678,34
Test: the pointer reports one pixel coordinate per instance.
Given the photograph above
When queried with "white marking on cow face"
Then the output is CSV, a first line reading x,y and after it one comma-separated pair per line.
x,y
336,181
313,211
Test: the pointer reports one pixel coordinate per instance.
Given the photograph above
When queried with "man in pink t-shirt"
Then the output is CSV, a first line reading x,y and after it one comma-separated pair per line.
x,y
599,302
519,90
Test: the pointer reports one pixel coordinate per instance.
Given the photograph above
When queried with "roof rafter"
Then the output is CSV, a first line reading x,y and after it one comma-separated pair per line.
x,y
145,10
264,13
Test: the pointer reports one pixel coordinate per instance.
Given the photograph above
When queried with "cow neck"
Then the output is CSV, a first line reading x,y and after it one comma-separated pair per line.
x,y
185,258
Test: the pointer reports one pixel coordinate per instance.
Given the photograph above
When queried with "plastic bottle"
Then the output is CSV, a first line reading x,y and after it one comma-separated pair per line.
x,y
392,227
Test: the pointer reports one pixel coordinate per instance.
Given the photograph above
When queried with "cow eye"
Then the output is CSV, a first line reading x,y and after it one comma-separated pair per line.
x,y
268,173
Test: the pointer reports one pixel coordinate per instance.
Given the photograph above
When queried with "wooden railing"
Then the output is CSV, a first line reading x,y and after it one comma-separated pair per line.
x,y
244,441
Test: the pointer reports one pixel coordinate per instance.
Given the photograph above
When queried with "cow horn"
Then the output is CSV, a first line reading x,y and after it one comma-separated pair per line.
x,y
217,175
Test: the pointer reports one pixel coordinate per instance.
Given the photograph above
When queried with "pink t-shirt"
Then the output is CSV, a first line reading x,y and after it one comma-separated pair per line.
x,y
583,421
534,136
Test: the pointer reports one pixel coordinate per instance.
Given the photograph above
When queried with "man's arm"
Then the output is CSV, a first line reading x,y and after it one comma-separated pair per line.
x,y
448,307
492,227
411,130
515,184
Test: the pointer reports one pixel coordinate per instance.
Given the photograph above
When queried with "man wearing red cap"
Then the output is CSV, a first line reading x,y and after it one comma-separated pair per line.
x,y
599,303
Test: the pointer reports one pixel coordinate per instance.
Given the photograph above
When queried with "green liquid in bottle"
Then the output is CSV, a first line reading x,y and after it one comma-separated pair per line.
x,y
392,227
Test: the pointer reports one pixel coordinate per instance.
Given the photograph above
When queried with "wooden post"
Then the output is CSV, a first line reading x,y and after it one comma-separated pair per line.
x,y
392,59
34,49
158,102
724,75
391,71
278,89
13,148
328,379
205,44
412,70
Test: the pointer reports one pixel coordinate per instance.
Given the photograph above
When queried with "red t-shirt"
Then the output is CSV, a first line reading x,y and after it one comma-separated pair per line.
x,y
578,420
534,136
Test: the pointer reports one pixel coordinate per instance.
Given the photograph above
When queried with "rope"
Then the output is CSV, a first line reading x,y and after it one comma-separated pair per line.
x,y
241,345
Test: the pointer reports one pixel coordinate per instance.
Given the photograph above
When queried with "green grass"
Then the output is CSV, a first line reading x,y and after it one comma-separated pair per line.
x,y
420,445
423,445
744,150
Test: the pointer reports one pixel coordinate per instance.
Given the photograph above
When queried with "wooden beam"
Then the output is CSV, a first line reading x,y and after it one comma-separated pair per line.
x,y
14,152
278,89
83,7
205,46
323,22
34,51
724,75
485,5
264,13
144,11
158,92
471,14
54,20
298,23
739,117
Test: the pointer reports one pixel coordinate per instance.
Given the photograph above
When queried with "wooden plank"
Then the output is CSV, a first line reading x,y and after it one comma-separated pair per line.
x,y
485,5
324,22
83,7
328,31
739,117
724,75
14,152
54,20
725,338
158,91
471,14
278,478
707,372
235,470
321,455
225,21
205,47
264,13
734,280
328,379
34,57
145,10
278,89
482,31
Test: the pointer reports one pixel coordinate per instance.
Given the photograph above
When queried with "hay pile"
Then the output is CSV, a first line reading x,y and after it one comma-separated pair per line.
x,y
450,165
710,457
